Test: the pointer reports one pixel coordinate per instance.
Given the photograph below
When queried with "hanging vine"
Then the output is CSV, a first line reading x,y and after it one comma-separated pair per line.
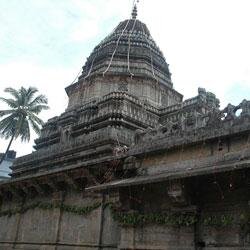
x,y
136,218
85,210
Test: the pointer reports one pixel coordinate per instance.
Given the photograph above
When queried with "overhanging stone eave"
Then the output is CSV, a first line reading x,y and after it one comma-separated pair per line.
x,y
181,174
60,158
54,172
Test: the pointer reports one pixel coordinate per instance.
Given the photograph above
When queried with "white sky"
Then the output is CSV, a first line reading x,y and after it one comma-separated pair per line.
x,y
44,43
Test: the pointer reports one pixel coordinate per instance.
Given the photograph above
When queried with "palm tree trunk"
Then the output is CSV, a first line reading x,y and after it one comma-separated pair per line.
x,y
7,150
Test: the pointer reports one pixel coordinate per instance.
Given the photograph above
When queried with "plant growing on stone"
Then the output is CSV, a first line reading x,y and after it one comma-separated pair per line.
x,y
24,108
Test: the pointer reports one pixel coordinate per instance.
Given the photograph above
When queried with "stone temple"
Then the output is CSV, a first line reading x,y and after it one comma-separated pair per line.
x,y
130,164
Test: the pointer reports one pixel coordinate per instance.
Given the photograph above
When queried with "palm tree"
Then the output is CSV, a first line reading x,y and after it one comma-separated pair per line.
x,y
24,108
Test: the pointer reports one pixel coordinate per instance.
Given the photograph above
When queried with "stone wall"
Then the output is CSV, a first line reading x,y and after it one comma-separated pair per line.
x,y
47,228
157,237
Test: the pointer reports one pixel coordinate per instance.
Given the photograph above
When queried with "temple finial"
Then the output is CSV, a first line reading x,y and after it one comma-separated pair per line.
x,y
134,11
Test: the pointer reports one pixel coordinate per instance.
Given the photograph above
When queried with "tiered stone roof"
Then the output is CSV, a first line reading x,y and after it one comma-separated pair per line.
x,y
129,51
136,52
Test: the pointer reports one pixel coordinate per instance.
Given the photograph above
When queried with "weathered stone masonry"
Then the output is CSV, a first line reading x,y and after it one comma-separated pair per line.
x,y
130,165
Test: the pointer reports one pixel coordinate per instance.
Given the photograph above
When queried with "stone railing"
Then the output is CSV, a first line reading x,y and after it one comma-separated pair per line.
x,y
207,98
179,106
191,101
213,119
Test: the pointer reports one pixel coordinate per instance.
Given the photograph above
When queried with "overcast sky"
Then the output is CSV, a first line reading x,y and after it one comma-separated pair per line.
x,y
44,43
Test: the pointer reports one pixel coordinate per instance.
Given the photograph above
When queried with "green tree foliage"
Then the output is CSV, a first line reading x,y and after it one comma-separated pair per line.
x,y
24,107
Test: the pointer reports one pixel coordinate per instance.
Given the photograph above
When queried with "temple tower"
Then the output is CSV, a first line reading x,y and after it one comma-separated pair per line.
x,y
128,60
124,85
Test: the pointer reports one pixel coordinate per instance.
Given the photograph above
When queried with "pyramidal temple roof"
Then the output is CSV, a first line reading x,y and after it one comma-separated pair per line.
x,y
128,50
